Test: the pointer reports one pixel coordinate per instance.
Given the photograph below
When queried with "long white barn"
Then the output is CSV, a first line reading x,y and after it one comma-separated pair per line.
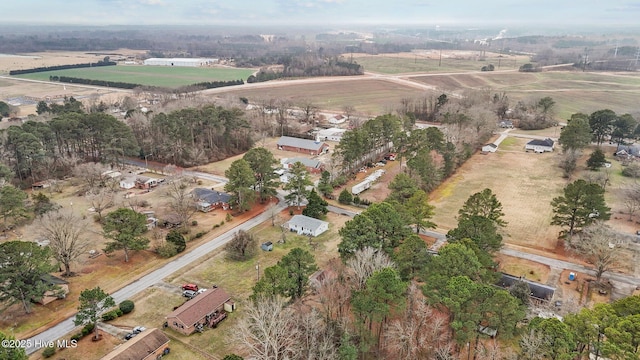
x,y
192,62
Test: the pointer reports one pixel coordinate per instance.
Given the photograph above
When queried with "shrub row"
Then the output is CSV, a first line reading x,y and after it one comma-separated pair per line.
x,y
61,67
217,84
115,84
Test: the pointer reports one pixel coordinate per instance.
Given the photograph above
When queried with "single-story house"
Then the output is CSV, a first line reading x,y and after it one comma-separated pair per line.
x,y
42,184
506,124
539,292
128,182
149,344
208,199
313,166
331,134
338,119
540,146
145,182
628,150
306,146
111,174
489,148
305,225
206,309
52,295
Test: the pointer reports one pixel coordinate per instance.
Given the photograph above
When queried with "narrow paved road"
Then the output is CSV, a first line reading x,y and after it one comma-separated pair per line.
x,y
441,239
152,278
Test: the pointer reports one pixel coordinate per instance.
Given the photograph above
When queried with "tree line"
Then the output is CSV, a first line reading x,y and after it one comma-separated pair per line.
x,y
308,66
62,67
125,85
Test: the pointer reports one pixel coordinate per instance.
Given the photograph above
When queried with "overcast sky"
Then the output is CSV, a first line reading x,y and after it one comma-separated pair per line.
x,y
329,12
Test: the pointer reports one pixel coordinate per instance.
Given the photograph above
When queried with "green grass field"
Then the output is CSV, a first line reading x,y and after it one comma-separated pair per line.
x,y
163,76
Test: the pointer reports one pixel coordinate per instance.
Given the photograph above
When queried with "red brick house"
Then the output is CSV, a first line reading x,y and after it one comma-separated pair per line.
x,y
306,146
206,309
148,345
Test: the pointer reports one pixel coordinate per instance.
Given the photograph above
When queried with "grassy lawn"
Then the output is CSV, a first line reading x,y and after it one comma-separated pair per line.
x,y
521,267
165,76
236,277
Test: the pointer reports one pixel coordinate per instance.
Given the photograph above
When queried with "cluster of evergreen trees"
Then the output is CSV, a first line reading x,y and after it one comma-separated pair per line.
x,y
305,66
113,84
40,150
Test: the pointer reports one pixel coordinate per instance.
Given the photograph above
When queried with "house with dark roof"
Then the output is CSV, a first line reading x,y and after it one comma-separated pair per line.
x,y
306,146
149,344
305,225
208,199
206,309
60,292
539,292
540,146
313,166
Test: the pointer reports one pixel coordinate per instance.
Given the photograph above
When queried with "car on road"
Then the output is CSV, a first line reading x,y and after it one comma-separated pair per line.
x,y
192,287
130,335
189,294
139,329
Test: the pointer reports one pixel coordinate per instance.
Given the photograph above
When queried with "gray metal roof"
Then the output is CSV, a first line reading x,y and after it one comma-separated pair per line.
x,y
312,163
300,143
538,291
306,222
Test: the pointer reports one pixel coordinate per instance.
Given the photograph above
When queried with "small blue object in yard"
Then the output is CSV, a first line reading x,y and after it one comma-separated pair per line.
x,y
268,246
572,276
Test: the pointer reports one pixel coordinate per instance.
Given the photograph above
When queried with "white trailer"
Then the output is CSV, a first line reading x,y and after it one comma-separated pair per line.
x,y
360,187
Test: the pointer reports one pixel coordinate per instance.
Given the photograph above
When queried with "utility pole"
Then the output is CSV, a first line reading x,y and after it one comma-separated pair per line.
x,y
440,61
586,59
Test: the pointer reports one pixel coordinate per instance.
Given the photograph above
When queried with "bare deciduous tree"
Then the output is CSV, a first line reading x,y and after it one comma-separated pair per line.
x,y
90,174
268,329
601,246
632,199
568,163
334,292
315,337
65,231
365,262
180,200
531,344
243,246
418,331
101,199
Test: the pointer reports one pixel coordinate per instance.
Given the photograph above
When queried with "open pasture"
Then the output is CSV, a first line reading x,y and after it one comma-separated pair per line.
x,y
525,183
164,76
368,96
572,91
435,61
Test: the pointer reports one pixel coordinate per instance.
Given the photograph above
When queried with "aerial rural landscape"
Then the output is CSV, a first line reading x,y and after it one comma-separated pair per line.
x,y
172,187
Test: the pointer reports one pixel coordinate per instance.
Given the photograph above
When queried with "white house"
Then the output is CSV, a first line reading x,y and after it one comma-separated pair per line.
x,y
332,134
128,182
304,225
489,148
338,119
540,146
